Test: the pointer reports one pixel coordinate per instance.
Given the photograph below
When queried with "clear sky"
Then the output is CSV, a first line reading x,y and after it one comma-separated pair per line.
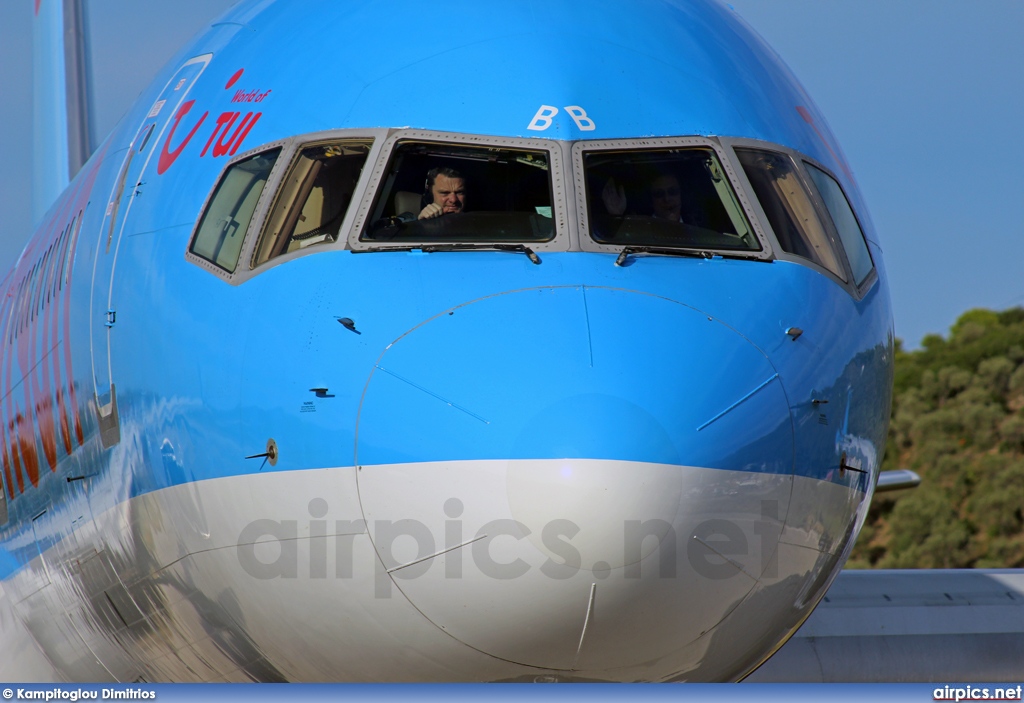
x,y
925,96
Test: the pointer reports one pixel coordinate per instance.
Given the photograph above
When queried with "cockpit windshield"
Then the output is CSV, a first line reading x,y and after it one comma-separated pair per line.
x,y
436,193
418,190
677,197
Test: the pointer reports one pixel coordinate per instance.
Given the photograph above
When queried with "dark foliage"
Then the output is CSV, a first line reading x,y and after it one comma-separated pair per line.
x,y
958,421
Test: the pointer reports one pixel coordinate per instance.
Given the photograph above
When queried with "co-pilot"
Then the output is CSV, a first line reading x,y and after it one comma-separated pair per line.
x,y
665,193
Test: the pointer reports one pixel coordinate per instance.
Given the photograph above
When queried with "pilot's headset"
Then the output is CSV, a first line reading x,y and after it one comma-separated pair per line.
x,y
428,191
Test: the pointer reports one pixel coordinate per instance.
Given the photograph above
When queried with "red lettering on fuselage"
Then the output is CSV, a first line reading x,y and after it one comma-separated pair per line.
x,y
226,138
5,310
82,202
234,78
222,147
223,127
252,96
167,158
59,269
68,375
9,482
25,434
38,375
225,120
29,325
45,343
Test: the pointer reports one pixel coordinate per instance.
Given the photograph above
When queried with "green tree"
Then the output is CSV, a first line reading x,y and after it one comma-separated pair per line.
x,y
958,420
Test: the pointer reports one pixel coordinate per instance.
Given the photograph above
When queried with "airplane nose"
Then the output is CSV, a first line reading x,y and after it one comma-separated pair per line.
x,y
574,478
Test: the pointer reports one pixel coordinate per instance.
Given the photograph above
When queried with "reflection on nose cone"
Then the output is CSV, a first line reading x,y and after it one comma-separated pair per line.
x,y
582,474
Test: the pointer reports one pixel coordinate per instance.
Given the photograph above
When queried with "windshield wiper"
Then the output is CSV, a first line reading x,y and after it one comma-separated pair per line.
x,y
530,253
620,260
431,248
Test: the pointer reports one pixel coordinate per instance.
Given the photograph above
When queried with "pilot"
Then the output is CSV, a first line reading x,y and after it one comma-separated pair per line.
x,y
665,193
445,193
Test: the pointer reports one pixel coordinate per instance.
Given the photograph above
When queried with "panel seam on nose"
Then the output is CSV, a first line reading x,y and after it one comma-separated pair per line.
x,y
738,402
586,319
436,554
435,395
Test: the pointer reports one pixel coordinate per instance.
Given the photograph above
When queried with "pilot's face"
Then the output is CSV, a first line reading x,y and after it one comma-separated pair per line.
x,y
449,193
666,197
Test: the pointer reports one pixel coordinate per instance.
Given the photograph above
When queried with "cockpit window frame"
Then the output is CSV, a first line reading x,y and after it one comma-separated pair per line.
x,y
799,161
568,196
291,148
282,203
255,220
866,281
560,209
725,158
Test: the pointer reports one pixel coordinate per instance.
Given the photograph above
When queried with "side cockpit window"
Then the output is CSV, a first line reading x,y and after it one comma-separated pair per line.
x,y
674,198
436,193
788,207
850,233
313,198
226,218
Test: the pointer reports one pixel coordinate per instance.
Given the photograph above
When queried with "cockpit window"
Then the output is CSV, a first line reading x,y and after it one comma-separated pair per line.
x,y
788,207
678,197
435,193
313,198
226,218
845,221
